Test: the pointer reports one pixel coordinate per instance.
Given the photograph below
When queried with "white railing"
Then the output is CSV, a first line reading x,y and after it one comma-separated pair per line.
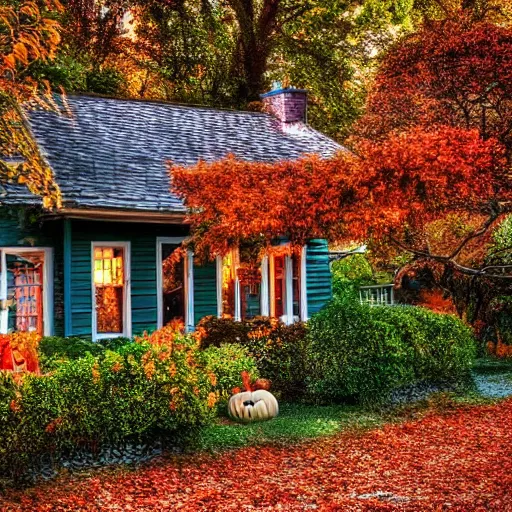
x,y
377,295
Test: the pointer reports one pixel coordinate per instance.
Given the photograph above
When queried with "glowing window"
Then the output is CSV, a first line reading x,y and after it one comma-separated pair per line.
x,y
109,289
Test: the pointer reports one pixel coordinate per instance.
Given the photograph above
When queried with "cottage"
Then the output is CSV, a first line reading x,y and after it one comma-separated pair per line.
x,y
105,264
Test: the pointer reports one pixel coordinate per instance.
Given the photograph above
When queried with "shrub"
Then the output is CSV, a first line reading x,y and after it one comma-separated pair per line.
x,y
55,349
142,391
361,353
279,350
226,363
18,351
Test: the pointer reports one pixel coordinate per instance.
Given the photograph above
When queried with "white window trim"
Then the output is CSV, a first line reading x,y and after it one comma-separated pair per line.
x,y
304,313
47,286
127,296
188,281
267,290
238,302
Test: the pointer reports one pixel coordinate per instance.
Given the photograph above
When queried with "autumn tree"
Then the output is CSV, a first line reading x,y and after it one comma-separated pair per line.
x,y
453,72
390,192
28,33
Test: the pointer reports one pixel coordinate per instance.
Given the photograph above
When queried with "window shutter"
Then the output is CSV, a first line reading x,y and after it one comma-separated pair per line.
x,y
318,275
205,290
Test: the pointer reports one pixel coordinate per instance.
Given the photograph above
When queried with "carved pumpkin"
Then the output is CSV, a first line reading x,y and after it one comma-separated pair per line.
x,y
249,406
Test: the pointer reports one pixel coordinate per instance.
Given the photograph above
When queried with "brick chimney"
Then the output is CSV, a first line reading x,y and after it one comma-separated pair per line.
x,y
289,105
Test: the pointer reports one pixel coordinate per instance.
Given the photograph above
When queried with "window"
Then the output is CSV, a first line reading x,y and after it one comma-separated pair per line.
x,y
175,297
227,286
111,294
250,292
277,288
26,290
287,286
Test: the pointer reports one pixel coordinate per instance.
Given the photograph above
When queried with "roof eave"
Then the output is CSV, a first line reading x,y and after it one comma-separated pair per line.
x,y
118,215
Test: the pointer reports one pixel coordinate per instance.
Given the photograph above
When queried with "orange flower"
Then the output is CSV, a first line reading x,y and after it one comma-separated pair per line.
x,y
117,367
96,373
53,425
15,406
149,369
212,400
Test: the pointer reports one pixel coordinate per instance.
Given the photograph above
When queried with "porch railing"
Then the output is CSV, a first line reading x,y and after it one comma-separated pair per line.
x,y
377,295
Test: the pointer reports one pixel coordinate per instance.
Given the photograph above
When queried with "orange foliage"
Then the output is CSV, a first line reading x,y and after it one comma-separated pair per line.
x,y
390,189
18,351
457,459
436,301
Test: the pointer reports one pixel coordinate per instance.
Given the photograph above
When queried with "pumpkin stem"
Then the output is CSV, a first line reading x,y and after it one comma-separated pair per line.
x,y
246,379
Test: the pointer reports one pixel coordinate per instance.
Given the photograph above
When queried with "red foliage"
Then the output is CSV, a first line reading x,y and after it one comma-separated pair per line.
x,y
460,460
261,384
456,71
431,146
391,188
246,380
436,301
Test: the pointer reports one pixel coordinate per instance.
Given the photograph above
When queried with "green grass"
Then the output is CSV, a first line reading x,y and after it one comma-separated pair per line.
x,y
489,365
295,422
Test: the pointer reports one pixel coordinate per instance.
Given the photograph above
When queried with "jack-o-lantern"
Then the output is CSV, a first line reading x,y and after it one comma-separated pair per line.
x,y
252,405
248,406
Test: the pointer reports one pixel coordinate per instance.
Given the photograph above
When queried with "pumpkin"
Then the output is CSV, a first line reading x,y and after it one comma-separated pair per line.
x,y
249,406
261,384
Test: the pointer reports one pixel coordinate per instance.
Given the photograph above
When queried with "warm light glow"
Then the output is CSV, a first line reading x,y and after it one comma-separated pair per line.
x,y
108,267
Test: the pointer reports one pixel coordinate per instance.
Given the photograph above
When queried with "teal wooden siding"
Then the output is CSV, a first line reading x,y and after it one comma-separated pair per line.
x,y
142,238
318,275
16,230
205,290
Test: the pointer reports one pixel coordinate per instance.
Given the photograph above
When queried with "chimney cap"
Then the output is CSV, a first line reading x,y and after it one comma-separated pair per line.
x,y
282,90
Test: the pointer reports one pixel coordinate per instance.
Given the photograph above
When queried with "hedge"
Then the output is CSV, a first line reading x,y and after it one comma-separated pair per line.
x,y
141,392
360,353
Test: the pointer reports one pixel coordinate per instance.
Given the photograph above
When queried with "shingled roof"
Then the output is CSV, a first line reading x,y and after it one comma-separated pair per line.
x,y
112,153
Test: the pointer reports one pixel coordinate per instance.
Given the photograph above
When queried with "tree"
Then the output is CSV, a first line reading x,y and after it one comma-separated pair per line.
x,y
387,194
227,53
455,71
28,33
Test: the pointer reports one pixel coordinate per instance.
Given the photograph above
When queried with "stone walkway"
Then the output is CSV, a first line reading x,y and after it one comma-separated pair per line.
x,y
497,385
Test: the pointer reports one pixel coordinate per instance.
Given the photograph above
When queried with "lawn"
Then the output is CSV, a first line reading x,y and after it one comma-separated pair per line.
x,y
295,423
456,458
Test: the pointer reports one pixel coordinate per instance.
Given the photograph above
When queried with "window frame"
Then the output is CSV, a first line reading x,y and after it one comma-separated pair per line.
x,y
48,305
127,294
188,281
219,273
267,290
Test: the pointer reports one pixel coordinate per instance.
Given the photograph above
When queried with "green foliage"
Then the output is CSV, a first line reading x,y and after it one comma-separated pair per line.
x,y
500,251
140,392
353,271
63,72
279,350
55,349
108,81
361,353
226,363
